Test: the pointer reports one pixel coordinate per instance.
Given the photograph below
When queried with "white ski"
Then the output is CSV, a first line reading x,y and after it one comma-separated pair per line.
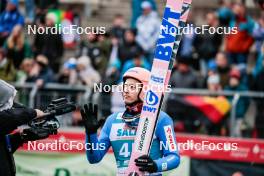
x,y
175,16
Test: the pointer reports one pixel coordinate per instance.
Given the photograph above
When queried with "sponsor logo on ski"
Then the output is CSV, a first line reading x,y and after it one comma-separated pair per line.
x,y
170,138
157,79
149,109
163,54
163,51
143,134
152,98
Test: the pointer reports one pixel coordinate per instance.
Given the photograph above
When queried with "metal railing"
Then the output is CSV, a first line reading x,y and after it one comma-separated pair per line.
x,y
236,94
250,94
54,91
36,97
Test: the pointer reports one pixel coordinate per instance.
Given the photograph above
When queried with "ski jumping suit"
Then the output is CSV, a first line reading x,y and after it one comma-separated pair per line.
x,y
117,134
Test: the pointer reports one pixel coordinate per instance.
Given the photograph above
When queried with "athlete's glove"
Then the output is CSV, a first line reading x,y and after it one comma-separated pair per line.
x,y
89,117
146,164
33,134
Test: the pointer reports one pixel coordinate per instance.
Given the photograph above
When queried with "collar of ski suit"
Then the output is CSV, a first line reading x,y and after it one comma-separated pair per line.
x,y
134,109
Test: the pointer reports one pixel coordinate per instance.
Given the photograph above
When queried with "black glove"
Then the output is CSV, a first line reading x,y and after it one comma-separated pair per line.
x,y
146,164
33,134
89,117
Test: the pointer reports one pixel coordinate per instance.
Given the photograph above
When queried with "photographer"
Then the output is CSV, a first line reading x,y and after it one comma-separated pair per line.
x,y
12,115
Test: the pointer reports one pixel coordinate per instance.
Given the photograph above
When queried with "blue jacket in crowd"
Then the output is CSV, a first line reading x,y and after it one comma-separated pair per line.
x,y
8,19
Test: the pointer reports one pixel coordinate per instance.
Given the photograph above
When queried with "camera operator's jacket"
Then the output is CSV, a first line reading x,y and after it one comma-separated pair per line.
x,y
9,120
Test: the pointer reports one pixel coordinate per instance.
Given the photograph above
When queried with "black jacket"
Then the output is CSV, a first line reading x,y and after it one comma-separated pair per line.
x,y
128,51
207,45
2,5
9,121
51,46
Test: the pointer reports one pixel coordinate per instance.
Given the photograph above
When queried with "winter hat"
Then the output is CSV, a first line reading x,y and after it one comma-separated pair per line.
x,y
52,17
70,64
235,73
213,79
14,2
146,5
84,60
212,66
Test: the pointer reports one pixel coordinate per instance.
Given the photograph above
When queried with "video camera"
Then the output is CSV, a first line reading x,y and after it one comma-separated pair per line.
x,y
49,121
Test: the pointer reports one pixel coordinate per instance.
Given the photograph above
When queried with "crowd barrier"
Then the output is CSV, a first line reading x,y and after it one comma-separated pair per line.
x,y
29,94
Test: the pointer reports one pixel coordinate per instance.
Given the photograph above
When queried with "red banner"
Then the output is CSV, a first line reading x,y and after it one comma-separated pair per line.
x,y
194,146
224,148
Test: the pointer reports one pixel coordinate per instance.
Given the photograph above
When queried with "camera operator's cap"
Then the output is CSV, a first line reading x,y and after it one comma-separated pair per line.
x,y
146,5
7,95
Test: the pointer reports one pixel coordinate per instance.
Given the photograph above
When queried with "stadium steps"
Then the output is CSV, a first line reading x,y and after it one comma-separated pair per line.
x,y
103,16
108,10
103,11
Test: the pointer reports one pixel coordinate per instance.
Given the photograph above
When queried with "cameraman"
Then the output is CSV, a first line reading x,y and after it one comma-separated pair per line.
x,y
13,115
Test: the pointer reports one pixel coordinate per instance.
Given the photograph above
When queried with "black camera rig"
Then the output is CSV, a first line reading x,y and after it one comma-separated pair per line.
x,y
49,122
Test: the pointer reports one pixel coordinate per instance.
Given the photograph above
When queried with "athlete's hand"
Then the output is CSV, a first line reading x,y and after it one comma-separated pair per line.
x,y
89,117
146,164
